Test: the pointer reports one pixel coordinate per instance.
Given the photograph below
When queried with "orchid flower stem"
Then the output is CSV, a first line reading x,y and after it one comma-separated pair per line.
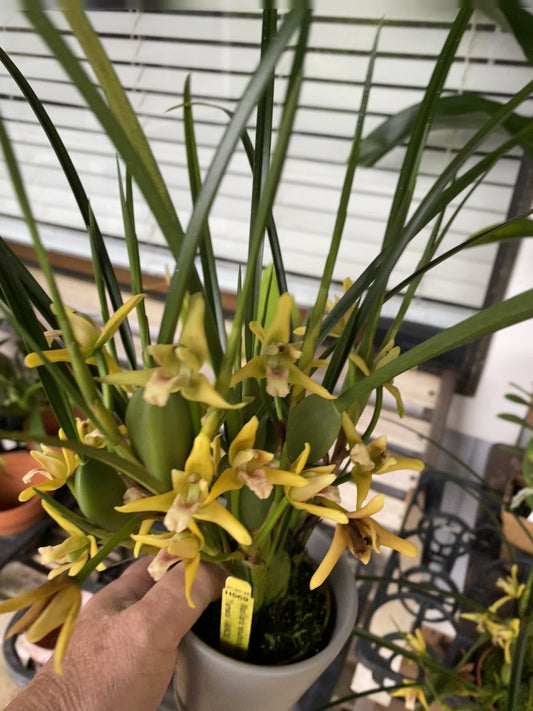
x,y
269,524
102,370
375,416
110,545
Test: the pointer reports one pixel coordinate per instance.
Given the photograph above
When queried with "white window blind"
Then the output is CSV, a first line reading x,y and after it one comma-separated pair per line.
x,y
154,52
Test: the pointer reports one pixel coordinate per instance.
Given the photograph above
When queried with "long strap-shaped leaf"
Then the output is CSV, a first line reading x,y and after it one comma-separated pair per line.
x,y
217,169
207,257
421,126
315,318
392,249
84,379
12,266
76,186
493,318
267,198
263,136
164,214
273,240
468,109
439,195
115,95
165,217
513,228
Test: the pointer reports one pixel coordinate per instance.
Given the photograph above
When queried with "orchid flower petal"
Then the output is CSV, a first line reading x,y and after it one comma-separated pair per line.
x,y
227,481
279,329
255,368
216,513
329,513
245,438
336,549
113,324
199,460
160,502
297,377
193,333
200,390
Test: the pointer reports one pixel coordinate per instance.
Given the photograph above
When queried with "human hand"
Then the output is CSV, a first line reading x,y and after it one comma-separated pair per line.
x,y
123,650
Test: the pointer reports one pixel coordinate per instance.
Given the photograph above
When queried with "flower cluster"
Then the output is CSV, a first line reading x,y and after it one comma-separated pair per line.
x,y
204,514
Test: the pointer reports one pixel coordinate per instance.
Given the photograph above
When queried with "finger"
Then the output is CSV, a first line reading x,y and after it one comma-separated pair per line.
x,y
126,590
166,604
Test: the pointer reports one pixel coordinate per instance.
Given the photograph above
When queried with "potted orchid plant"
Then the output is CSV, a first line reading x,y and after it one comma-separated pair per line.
x,y
227,444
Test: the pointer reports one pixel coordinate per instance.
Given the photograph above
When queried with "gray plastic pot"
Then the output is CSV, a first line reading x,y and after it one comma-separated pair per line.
x,y
207,680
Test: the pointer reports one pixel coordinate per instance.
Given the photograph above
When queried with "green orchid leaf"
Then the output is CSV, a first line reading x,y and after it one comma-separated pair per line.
x,y
467,110
277,257
521,23
97,243
518,660
261,161
117,100
511,230
134,261
217,169
519,400
317,313
515,227
448,186
508,417
207,256
493,318
395,239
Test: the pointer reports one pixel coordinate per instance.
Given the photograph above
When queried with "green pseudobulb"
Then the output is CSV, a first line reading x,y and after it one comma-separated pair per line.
x,y
315,421
99,488
161,437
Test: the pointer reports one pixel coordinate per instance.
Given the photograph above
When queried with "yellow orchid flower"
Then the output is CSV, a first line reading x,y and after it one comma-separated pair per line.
x,y
87,335
276,362
317,486
55,465
372,459
250,467
360,536
512,588
413,694
189,498
337,330
174,547
387,354
178,366
52,605
416,641
502,633
73,552
91,436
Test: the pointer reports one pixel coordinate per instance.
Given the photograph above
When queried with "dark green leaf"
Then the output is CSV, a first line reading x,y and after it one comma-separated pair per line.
x,y
505,313
467,110
97,242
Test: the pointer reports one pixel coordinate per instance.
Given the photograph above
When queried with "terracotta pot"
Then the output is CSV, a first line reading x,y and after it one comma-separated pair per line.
x,y
16,516
205,679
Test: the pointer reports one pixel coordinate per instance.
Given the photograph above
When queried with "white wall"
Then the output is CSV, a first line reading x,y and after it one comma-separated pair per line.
x,y
510,359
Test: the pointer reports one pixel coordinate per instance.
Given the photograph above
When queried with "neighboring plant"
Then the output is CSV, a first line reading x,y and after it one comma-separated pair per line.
x,y
525,398
495,673
239,467
20,388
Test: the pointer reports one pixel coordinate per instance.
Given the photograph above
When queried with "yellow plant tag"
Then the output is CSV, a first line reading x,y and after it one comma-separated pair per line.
x,y
236,616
